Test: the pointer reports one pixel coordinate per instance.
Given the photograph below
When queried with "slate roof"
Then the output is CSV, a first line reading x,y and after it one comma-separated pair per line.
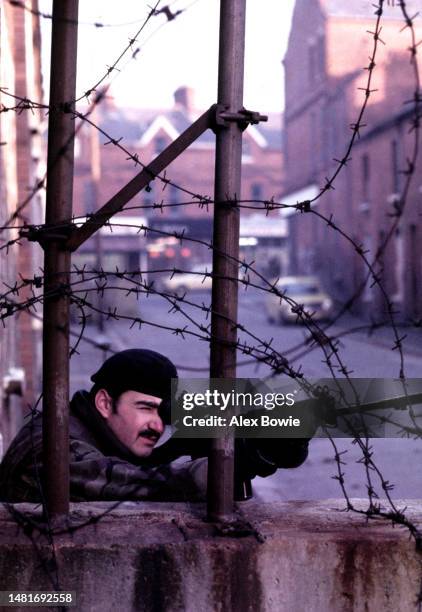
x,y
131,124
119,124
271,130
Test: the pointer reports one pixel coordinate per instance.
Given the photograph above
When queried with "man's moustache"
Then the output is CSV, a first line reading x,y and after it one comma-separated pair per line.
x,y
149,433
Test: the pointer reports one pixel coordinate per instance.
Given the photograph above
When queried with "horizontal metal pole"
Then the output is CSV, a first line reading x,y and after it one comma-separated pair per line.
x,y
141,180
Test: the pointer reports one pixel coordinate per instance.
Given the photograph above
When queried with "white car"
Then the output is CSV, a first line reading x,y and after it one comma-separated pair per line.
x,y
195,280
306,292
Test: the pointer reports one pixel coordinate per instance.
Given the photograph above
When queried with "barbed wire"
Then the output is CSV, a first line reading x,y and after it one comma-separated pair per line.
x,y
205,200
374,509
24,103
166,11
113,67
116,141
306,206
263,349
266,285
309,343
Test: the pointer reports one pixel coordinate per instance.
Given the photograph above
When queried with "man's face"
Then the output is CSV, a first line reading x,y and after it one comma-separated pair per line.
x,y
135,420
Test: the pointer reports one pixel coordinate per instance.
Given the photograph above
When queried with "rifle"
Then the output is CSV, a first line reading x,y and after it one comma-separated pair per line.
x,y
264,456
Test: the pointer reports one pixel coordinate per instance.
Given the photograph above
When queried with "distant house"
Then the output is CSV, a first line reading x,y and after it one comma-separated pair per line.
x,y
329,47
146,133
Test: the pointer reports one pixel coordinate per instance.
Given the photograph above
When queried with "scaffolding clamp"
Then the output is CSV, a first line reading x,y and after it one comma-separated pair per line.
x,y
43,233
223,117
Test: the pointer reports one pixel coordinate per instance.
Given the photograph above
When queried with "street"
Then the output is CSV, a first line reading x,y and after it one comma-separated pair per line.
x,y
364,357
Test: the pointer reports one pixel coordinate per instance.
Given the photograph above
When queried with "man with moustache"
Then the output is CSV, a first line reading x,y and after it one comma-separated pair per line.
x,y
113,429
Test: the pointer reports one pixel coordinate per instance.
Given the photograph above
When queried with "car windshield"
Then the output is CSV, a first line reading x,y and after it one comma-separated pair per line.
x,y
300,289
202,267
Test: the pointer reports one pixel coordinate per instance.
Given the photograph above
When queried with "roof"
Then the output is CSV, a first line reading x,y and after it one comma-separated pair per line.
x,y
272,136
117,125
140,126
367,8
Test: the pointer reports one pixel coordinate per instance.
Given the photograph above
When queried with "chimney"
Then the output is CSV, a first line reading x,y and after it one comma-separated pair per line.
x,y
184,99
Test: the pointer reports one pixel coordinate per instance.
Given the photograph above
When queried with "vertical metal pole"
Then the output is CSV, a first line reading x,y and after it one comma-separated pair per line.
x,y
95,187
226,241
57,260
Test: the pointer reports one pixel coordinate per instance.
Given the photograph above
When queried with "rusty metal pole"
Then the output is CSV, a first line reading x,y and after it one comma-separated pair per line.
x,y
226,241
57,258
95,187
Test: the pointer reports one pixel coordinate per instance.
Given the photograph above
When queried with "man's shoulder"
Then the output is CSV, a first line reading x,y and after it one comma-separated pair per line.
x,y
27,444
25,450
27,440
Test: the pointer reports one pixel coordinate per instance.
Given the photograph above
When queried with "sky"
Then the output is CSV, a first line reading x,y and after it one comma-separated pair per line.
x,y
183,51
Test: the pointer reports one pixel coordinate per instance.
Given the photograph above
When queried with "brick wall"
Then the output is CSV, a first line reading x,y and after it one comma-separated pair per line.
x,y
324,71
8,198
19,167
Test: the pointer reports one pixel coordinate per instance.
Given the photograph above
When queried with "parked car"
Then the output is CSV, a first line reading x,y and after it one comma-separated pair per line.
x,y
194,280
306,291
189,281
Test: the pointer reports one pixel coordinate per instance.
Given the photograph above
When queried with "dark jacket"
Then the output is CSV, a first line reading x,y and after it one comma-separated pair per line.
x,y
101,467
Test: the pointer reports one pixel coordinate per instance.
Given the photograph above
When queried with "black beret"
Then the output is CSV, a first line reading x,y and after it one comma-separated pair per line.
x,y
138,370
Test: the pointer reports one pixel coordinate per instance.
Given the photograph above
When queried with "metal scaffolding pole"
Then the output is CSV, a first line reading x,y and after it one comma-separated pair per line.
x,y
95,188
226,241
61,127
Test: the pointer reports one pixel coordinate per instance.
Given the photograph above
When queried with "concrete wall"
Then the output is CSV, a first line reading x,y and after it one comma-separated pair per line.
x,y
164,557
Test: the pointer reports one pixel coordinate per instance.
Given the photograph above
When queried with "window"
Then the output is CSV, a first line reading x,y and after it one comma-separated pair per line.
x,y
368,294
77,147
415,268
399,267
333,122
285,145
325,126
321,55
256,191
89,197
395,167
174,198
366,176
315,145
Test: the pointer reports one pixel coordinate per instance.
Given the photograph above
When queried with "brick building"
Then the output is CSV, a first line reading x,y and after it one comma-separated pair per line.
x,y
329,44
20,167
147,133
